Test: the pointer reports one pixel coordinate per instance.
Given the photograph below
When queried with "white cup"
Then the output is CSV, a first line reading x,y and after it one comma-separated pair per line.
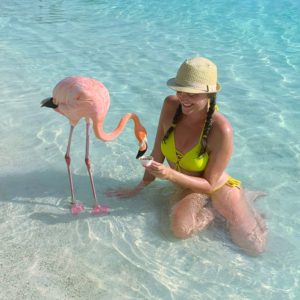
x,y
146,160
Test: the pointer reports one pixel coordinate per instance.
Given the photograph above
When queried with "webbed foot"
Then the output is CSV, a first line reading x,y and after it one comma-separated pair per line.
x,y
100,209
76,208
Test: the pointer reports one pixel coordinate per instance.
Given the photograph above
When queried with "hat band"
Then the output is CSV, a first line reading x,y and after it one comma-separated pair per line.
x,y
203,87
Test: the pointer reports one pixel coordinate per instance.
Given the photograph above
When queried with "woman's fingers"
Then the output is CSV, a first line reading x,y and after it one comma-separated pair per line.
x,y
158,170
154,167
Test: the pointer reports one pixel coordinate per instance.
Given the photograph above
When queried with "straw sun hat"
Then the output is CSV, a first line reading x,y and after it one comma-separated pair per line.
x,y
196,75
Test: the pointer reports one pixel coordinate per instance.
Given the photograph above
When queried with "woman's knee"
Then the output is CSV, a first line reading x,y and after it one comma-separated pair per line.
x,y
180,227
184,225
256,248
258,240
253,243
186,213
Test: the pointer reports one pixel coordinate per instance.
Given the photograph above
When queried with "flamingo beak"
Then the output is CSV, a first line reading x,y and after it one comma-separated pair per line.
x,y
143,148
48,102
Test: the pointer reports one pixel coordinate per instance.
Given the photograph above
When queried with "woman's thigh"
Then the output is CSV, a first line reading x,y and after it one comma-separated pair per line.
x,y
246,226
232,205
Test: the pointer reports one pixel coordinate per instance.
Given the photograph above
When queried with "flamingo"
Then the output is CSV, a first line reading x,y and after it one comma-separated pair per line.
x,y
78,97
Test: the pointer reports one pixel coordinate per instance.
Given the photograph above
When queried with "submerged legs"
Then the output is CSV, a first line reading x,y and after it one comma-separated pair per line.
x,y
97,209
88,162
189,215
77,207
246,226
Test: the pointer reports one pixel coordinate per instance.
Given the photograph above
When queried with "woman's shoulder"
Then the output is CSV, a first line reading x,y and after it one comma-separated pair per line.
x,y
171,101
168,111
221,136
221,126
170,105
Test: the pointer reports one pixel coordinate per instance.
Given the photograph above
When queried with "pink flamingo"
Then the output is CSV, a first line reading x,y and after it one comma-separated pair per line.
x,y
81,97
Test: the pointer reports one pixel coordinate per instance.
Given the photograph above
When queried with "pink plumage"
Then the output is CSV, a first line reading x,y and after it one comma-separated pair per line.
x,y
81,97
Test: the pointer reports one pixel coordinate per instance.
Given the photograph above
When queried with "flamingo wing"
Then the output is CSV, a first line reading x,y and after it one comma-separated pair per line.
x,y
81,97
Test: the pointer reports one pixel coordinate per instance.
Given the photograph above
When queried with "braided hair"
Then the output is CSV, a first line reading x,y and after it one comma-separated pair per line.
x,y
174,122
208,122
207,125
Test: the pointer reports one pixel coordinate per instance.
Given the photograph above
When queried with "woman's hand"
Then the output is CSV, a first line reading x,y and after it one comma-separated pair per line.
x,y
159,170
127,192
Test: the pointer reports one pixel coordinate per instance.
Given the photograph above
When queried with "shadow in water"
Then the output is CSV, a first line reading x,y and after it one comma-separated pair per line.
x,y
30,189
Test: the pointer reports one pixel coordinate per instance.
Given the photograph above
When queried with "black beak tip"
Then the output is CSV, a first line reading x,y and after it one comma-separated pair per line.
x,y
48,102
141,153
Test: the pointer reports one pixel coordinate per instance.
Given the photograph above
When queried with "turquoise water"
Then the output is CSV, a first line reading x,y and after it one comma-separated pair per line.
x,y
133,47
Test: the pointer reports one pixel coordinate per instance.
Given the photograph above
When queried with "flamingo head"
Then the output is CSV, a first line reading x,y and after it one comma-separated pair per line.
x,y
143,146
141,135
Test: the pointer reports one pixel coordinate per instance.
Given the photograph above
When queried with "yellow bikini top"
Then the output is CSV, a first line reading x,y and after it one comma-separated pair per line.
x,y
190,161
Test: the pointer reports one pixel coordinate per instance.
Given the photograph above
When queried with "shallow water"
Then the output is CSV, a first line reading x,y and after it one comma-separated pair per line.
x,y
133,47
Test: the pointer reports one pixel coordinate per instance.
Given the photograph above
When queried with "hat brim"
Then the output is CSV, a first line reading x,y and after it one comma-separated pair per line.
x,y
171,83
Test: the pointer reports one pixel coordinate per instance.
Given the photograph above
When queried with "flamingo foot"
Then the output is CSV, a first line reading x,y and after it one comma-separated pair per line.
x,y
100,209
76,208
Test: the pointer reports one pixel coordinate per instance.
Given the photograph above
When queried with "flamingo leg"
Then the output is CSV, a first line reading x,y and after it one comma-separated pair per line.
x,y
88,162
97,209
76,207
68,162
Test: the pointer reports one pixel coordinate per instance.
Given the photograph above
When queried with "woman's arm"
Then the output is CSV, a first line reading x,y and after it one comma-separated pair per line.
x,y
165,121
196,184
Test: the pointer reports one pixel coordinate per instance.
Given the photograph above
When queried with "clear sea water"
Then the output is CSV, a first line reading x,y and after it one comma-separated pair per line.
x,y
133,47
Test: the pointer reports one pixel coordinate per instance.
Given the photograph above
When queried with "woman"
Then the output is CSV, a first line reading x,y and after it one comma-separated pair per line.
x,y
198,143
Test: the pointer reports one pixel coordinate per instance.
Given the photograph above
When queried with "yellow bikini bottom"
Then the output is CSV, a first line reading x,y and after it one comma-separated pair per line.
x,y
232,182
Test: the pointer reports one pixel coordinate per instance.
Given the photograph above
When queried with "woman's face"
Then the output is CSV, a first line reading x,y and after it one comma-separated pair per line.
x,y
192,102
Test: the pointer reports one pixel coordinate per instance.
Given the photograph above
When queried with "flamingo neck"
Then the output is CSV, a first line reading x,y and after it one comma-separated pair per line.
x,y
106,137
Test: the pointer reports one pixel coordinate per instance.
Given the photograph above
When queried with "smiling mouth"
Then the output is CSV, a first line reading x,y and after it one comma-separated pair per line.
x,y
186,105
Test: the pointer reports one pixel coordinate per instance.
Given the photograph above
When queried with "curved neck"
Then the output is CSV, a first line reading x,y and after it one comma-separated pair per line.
x,y
106,137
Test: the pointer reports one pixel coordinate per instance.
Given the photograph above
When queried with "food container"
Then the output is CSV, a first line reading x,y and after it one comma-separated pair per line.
x,y
146,160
